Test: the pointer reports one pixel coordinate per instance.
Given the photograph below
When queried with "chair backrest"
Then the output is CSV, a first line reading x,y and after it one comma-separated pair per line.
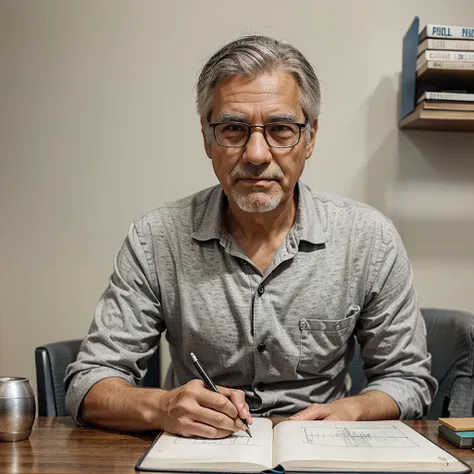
x,y
450,340
51,363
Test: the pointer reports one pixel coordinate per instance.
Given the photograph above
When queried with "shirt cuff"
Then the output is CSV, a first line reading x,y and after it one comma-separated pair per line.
x,y
408,402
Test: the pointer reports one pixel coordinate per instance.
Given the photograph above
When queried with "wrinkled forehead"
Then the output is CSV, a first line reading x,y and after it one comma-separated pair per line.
x,y
271,95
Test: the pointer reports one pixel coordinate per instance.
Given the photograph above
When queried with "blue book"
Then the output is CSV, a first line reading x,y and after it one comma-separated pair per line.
x,y
462,439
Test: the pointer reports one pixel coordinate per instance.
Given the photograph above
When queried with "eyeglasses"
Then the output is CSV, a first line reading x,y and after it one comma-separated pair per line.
x,y
277,134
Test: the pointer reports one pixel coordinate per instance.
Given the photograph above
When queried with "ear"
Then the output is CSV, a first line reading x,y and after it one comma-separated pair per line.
x,y
312,140
207,146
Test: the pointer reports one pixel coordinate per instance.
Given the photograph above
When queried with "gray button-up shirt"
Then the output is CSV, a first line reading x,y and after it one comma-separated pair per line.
x,y
284,337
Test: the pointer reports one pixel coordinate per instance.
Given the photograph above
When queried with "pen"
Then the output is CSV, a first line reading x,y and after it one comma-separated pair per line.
x,y
211,385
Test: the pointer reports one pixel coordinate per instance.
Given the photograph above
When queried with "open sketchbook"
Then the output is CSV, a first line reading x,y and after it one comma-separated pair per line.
x,y
375,446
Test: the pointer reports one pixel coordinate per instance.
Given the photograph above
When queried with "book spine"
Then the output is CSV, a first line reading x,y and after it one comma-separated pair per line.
x,y
445,31
456,45
455,437
448,56
447,65
451,96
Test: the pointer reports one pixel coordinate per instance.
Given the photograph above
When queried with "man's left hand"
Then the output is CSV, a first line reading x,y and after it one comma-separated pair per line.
x,y
373,405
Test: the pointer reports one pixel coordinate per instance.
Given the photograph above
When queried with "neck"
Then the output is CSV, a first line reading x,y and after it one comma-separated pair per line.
x,y
262,226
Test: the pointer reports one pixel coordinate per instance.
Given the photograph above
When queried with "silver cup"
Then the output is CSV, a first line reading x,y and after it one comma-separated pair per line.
x,y
17,408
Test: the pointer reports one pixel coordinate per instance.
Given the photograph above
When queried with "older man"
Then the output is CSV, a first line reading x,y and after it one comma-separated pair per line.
x,y
265,280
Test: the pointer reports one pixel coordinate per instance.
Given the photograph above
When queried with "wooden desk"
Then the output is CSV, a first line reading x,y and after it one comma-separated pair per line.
x,y
56,446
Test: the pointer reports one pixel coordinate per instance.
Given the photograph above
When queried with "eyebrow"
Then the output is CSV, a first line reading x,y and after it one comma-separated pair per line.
x,y
226,116
287,117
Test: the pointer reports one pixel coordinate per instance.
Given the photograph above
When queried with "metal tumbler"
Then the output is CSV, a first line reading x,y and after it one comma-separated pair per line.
x,y
17,408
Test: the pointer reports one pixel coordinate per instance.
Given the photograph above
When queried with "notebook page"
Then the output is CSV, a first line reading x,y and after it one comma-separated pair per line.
x,y
172,451
377,445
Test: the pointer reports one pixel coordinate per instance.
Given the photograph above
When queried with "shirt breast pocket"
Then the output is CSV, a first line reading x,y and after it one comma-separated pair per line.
x,y
323,343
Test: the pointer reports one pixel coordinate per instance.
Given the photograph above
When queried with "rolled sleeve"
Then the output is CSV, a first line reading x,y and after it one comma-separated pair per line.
x,y
392,332
126,327
82,382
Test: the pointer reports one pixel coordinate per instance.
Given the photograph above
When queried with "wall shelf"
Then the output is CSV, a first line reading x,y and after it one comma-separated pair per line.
x,y
415,118
448,120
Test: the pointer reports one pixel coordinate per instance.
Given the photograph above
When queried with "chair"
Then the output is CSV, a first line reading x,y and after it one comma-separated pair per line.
x,y
51,363
450,338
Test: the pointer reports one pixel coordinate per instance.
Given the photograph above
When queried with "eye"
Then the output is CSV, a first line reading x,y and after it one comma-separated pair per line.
x,y
282,129
234,128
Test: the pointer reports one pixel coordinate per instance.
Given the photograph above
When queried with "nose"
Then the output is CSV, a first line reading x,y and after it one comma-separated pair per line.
x,y
257,150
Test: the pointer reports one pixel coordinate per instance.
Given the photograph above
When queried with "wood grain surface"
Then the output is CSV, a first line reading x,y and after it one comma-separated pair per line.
x,y
57,445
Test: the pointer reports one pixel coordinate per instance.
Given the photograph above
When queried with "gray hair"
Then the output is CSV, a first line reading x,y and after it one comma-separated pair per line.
x,y
253,55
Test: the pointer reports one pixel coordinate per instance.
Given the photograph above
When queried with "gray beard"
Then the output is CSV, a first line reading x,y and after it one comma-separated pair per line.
x,y
248,204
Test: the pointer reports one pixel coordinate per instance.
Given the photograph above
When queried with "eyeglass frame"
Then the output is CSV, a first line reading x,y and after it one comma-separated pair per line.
x,y
300,126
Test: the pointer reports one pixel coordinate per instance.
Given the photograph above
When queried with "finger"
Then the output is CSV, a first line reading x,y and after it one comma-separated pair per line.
x,y
216,401
217,420
204,430
219,403
313,412
333,418
237,397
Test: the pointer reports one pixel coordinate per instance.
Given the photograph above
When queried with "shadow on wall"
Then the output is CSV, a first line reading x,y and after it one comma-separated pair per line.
x,y
422,180
434,200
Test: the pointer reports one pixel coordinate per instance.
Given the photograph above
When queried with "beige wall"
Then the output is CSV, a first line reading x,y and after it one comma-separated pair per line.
x,y
97,125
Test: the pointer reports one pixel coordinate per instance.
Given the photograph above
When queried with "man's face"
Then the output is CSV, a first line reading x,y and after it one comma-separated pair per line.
x,y
258,178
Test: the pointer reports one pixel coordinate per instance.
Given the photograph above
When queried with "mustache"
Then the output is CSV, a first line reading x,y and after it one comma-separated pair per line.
x,y
249,171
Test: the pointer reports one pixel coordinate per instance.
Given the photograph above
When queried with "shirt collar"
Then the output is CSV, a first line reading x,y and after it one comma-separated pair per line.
x,y
210,222
308,225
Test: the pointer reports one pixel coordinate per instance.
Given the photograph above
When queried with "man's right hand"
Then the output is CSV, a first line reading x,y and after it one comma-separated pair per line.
x,y
189,410
194,410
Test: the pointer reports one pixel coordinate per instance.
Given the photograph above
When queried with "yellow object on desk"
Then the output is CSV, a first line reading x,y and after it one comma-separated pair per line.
x,y
458,424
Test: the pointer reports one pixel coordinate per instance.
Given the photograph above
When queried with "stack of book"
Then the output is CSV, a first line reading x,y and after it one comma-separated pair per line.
x,y
459,431
445,69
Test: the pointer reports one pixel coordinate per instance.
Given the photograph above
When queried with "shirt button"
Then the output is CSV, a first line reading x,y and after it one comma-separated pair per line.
x,y
261,347
261,290
261,387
